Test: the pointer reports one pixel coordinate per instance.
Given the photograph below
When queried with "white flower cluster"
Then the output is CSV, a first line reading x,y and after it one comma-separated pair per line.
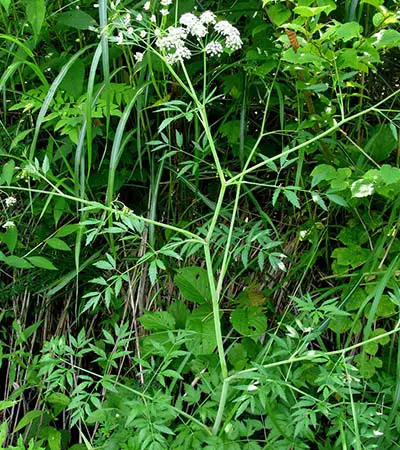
x,y
231,34
214,48
10,201
9,224
176,44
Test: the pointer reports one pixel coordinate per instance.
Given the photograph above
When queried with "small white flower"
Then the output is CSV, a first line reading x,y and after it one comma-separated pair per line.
x,y
146,6
10,201
143,34
138,56
120,38
188,20
166,2
378,433
180,54
139,17
130,31
153,18
291,332
95,5
214,48
252,387
233,42
174,39
224,27
198,30
127,18
9,224
164,12
207,18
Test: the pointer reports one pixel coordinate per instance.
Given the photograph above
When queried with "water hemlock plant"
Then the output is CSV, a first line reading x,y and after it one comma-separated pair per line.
x,y
199,225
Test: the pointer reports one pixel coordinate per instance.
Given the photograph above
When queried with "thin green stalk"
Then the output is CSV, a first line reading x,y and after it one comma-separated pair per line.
x,y
224,265
311,355
101,206
216,214
330,130
216,312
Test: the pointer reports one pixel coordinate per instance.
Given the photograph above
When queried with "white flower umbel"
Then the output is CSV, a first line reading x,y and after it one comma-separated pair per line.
x,y
166,2
9,224
214,48
231,34
180,54
138,56
153,18
233,42
139,17
198,30
120,38
146,6
175,39
208,18
143,34
188,20
164,12
130,31
10,201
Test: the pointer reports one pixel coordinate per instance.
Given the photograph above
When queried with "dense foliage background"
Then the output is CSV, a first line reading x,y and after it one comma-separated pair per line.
x,y
199,251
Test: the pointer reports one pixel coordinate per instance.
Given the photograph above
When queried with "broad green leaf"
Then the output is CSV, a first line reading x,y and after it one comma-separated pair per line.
x,y
387,39
28,418
66,230
74,79
386,308
278,14
3,433
362,188
323,172
75,19
340,324
308,11
237,356
367,364
4,404
250,322
157,321
43,263
8,172
292,197
6,4
153,272
201,338
54,439
375,3
58,244
17,262
193,284
348,31
382,143
10,238
337,199
35,13
351,256
180,313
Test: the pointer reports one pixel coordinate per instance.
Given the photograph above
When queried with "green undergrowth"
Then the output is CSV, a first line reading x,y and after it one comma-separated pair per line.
x,y
199,212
